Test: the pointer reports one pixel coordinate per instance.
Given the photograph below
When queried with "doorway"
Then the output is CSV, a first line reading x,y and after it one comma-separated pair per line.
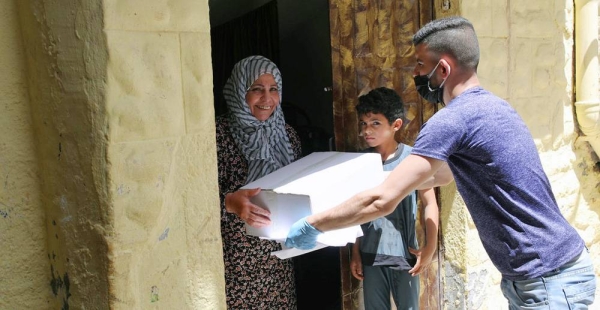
x,y
300,46
372,47
330,52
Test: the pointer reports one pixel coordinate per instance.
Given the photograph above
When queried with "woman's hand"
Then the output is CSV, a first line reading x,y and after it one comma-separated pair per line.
x,y
239,204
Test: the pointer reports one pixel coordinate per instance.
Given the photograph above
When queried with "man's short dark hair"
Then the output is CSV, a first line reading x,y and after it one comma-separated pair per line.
x,y
454,36
381,100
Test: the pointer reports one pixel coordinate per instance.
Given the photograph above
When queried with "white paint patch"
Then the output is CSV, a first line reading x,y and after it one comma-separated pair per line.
x,y
64,206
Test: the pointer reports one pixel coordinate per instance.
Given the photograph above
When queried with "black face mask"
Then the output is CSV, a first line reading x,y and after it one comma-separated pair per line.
x,y
433,95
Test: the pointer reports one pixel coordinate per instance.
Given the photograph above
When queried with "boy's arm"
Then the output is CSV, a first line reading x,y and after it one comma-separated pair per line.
x,y
356,261
430,226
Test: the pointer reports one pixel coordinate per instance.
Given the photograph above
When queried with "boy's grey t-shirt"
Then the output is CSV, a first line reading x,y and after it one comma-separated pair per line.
x,y
386,240
498,173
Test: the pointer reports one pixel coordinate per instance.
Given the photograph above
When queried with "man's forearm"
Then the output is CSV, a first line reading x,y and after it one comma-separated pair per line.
x,y
357,210
379,201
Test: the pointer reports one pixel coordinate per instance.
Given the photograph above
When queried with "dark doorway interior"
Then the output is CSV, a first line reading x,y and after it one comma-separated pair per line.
x,y
318,280
304,59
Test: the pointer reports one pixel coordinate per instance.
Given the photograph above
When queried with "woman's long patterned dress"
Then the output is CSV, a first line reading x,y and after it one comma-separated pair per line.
x,y
254,278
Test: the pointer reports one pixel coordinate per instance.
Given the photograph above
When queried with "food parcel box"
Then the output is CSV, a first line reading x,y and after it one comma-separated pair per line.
x,y
312,184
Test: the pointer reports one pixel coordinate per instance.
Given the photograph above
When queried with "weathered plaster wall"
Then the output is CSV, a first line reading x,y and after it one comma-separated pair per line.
x,y
66,64
24,266
527,58
121,97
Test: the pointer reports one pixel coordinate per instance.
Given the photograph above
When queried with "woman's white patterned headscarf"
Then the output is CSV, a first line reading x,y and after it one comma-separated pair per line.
x,y
264,143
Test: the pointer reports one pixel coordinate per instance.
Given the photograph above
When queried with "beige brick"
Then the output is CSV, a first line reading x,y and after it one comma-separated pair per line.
x,y
539,68
144,86
490,19
544,118
157,15
493,69
194,192
533,19
197,77
155,275
141,174
521,66
165,209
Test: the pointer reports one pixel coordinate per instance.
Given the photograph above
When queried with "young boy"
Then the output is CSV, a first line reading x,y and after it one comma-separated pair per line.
x,y
386,257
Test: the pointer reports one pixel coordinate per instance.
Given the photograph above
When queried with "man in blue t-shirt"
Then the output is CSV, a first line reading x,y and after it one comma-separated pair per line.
x,y
492,156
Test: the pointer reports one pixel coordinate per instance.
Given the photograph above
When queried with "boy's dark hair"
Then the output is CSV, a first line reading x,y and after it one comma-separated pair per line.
x,y
381,100
454,36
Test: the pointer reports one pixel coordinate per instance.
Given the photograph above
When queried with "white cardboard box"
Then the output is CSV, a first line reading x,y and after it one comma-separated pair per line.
x,y
312,184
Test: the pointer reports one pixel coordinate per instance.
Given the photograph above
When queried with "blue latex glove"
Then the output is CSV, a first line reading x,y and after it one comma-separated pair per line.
x,y
302,235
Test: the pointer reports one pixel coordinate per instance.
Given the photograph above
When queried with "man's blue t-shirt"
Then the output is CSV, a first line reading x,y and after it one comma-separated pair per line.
x,y
498,173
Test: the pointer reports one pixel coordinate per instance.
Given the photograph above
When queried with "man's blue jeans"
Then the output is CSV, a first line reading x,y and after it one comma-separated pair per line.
x,y
569,287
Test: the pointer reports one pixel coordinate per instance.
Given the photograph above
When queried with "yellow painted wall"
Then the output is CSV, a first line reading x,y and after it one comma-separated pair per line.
x,y
66,57
163,155
122,112
24,261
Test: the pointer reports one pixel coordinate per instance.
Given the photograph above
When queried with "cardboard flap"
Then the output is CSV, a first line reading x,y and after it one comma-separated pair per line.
x,y
296,207
317,172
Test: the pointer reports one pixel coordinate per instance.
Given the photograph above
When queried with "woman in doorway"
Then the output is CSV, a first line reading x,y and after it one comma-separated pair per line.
x,y
252,141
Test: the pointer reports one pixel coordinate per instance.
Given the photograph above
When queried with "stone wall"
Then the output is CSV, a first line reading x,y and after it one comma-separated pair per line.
x,y
163,155
24,261
122,109
527,58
